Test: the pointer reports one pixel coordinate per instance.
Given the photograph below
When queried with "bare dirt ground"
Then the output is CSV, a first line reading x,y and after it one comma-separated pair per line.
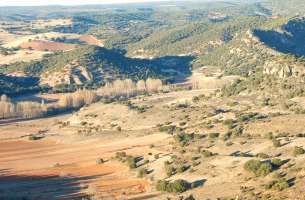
x,y
40,45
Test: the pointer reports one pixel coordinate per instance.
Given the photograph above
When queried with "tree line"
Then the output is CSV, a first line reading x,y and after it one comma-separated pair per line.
x,y
129,88
29,109
78,99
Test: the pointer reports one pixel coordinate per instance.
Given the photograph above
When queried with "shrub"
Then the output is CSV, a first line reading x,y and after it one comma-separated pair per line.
x,y
238,131
184,138
298,151
177,186
195,99
230,123
142,172
34,137
169,170
162,185
120,155
168,129
227,136
181,168
213,135
131,162
269,136
276,162
100,161
262,155
280,184
190,198
229,144
258,168
276,143
207,153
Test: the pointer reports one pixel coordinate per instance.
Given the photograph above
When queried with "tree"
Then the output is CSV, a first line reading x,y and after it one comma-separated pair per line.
x,y
30,109
153,85
141,86
7,109
66,101
4,98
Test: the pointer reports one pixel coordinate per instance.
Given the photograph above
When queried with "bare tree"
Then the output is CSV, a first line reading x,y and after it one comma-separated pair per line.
x,y
129,88
141,86
78,99
7,109
66,101
4,98
89,96
30,109
153,85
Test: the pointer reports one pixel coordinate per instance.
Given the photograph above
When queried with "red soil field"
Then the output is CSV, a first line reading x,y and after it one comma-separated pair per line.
x,y
41,45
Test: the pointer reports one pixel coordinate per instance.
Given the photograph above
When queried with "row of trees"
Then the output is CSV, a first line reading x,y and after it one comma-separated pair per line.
x,y
9,109
78,99
27,109
129,88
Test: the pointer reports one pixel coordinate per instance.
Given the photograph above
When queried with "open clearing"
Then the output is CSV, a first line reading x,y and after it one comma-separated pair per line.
x,y
40,45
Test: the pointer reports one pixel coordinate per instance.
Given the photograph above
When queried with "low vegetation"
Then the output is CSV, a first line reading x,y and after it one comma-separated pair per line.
x,y
177,186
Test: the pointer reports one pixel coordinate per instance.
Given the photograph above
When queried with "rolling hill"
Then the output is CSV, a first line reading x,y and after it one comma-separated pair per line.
x,y
93,65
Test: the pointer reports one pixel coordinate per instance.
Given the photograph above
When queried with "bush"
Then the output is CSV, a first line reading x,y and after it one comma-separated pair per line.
x,y
230,123
142,172
276,162
258,168
100,161
169,170
280,184
184,138
120,155
238,131
276,143
190,198
298,151
269,136
227,136
262,155
207,153
213,135
177,186
182,168
131,162
168,129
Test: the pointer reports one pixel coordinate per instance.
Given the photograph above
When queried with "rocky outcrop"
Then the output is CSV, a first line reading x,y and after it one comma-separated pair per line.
x,y
71,74
283,70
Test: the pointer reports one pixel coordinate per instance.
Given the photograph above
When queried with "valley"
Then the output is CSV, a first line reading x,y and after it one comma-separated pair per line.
x,y
172,100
